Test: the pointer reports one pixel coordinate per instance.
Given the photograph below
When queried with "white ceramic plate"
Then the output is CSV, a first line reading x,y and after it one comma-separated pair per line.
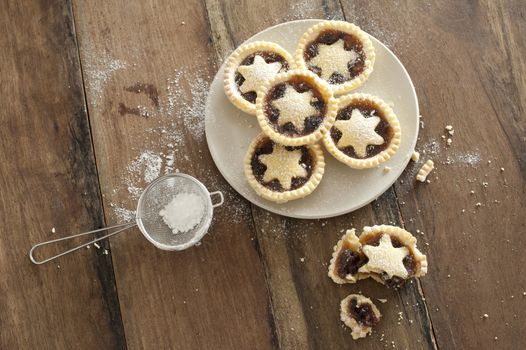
x,y
229,132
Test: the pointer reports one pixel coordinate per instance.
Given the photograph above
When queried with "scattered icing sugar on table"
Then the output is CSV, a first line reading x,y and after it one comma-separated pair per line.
x,y
184,212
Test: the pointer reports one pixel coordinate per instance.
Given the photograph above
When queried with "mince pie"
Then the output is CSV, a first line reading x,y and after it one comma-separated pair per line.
x,y
339,52
295,108
347,259
366,131
391,254
283,173
360,314
249,67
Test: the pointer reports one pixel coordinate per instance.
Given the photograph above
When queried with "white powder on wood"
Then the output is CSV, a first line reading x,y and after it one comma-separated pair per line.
x,y
148,163
184,212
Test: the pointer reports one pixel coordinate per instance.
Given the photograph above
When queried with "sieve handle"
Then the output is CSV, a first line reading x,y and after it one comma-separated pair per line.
x,y
38,262
221,198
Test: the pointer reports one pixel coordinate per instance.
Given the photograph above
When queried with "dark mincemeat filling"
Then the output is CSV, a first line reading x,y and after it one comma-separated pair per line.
x,y
312,123
363,313
258,169
409,263
269,57
383,128
329,37
348,262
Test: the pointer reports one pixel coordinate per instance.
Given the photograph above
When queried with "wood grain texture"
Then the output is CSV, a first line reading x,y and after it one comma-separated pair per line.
x,y
211,296
467,63
305,302
48,180
258,280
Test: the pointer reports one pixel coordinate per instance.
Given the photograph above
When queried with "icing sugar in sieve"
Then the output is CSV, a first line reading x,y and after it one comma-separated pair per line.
x,y
166,232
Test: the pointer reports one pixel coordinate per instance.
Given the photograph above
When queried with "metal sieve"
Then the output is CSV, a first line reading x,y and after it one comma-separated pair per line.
x,y
154,198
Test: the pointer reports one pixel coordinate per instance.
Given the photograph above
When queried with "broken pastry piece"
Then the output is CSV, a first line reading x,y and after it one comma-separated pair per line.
x,y
360,314
391,255
347,259
428,166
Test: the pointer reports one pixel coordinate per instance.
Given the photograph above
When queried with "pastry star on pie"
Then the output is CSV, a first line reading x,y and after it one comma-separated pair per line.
x,y
249,67
282,165
334,58
387,254
295,107
339,52
358,132
257,73
281,174
386,258
366,132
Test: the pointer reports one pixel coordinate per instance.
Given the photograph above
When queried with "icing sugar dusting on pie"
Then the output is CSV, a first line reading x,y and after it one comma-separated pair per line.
x,y
334,58
257,73
295,107
358,132
282,165
386,258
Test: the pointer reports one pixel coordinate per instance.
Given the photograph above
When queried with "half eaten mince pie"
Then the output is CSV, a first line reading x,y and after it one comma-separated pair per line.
x,y
391,254
339,52
388,254
360,314
347,259
283,173
295,108
366,131
249,67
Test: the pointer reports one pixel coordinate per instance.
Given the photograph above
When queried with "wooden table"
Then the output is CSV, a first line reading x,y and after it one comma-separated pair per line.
x,y
88,86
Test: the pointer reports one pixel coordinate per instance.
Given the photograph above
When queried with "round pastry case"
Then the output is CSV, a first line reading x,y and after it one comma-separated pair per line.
x,y
229,132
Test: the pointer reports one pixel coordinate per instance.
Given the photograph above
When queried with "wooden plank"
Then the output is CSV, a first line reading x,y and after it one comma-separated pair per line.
x,y
147,67
467,63
305,302
49,180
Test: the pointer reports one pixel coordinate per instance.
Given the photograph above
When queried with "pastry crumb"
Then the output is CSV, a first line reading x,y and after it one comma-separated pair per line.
x,y
52,230
472,192
425,170
383,301
415,156
183,23
501,170
478,204
96,245
449,141
302,259
387,169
